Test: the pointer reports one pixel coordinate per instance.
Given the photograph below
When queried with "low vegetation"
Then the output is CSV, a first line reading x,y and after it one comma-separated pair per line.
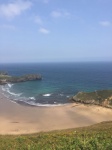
x,y
102,98
96,137
5,78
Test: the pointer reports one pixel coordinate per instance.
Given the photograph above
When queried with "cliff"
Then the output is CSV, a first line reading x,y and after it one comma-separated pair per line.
x,y
5,78
102,98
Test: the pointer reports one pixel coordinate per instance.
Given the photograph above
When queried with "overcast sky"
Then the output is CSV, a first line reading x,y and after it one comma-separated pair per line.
x,y
55,30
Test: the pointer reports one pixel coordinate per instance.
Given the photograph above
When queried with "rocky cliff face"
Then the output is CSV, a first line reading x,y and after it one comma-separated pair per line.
x,y
24,78
102,98
10,79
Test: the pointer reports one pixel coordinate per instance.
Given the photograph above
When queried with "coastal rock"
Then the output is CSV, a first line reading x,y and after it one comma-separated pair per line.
x,y
5,78
3,73
102,98
2,82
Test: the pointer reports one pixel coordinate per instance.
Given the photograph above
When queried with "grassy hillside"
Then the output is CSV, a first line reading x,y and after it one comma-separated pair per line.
x,y
103,98
96,137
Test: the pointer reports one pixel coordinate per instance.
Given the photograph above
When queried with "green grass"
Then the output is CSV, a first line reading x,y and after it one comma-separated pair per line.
x,y
101,97
4,77
97,95
96,137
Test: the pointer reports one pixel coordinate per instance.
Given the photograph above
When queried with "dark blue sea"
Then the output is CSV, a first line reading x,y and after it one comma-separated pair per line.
x,y
60,81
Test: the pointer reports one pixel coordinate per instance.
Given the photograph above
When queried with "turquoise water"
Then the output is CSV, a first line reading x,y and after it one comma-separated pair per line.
x,y
60,81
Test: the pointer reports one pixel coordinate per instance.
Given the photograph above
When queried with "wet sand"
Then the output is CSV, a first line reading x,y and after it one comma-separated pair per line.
x,y
21,119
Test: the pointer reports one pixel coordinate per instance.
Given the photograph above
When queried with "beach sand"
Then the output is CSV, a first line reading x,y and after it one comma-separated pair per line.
x,y
21,119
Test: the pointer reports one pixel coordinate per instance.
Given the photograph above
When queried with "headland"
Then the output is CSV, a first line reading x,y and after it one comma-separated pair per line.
x,y
5,78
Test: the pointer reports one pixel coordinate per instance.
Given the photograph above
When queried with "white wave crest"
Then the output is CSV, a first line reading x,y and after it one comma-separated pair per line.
x,y
47,94
43,105
10,85
14,94
32,98
61,94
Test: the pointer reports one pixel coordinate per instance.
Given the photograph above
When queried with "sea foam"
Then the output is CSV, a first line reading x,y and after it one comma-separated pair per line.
x,y
47,94
7,88
18,94
32,98
43,105
10,85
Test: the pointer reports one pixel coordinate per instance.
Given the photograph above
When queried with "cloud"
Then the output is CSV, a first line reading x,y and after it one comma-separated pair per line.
x,y
56,14
60,13
15,8
44,31
105,23
38,20
6,26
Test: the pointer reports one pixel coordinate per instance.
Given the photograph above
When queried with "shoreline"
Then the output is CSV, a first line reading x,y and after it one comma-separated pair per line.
x,y
20,102
20,119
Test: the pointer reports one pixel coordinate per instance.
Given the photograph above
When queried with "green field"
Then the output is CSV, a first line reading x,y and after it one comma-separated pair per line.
x,y
96,137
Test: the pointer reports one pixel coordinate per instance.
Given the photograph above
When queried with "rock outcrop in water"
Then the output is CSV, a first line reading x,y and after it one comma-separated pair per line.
x,y
3,73
102,98
5,78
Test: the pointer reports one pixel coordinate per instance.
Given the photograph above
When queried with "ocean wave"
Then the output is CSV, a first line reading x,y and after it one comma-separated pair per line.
x,y
68,96
61,94
20,98
47,95
10,85
43,105
32,98
14,94
6,90
26,101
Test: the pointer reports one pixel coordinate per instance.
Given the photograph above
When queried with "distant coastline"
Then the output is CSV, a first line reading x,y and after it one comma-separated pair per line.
x,y
6,78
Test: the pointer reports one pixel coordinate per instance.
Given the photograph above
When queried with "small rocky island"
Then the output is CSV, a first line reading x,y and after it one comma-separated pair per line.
x,y
5,78
102,98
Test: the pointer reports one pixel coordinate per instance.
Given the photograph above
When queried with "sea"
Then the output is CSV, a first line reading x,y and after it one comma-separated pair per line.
x,y
60,81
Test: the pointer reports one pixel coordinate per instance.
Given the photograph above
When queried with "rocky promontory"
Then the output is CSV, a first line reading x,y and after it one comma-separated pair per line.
x,y
5,78
102,98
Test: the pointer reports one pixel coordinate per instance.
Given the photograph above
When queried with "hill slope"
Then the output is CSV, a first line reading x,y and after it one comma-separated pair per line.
x,y
95,137
102,98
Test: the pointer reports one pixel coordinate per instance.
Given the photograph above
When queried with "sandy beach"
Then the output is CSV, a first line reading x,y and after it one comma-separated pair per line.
x,y
20,119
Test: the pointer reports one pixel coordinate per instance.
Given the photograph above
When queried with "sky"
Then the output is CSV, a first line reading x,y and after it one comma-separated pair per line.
x,y
55,30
